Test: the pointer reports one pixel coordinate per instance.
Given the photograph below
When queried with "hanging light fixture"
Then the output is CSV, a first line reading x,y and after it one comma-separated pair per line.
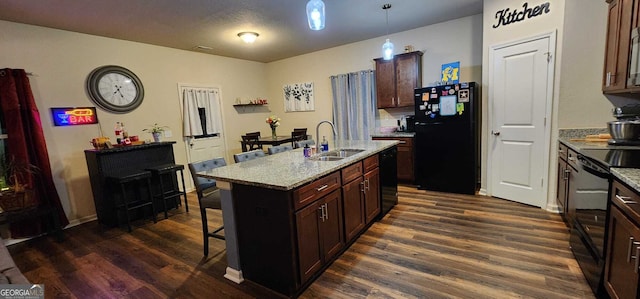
x,y
315,14
248,37
387,47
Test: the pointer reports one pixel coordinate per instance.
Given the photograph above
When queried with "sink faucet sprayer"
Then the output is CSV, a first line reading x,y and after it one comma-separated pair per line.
x,y
318,131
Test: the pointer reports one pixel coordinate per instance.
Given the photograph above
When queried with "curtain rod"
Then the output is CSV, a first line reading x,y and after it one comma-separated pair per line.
x,y
2,73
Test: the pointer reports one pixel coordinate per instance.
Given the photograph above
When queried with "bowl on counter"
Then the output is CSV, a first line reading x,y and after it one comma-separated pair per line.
x,y
624,129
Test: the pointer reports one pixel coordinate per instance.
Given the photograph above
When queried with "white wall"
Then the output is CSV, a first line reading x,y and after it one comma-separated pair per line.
x,y
456,40
61,60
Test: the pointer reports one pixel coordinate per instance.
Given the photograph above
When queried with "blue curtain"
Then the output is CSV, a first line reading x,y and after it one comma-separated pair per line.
x,y
354,106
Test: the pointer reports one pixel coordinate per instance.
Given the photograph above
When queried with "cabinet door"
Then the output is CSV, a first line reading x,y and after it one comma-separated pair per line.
x,y
617,45
352,196
385,83
331,232
621,270
408,77
405,163
372,195
309,251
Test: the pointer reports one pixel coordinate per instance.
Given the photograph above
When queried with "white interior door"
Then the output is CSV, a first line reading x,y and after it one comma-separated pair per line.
x,y
520,93
205,148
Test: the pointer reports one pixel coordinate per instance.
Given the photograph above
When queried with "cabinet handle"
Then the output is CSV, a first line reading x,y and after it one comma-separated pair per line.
x,y
608,79
624,199
637,263
393,101
572,158
366,185
362,186
631,241
321,213
398,101
326,212
567,172
560,151
322,188
403,142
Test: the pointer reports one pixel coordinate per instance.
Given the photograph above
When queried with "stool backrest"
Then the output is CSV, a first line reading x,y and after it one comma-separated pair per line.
x,y
279,149
250,155
201,183
251,142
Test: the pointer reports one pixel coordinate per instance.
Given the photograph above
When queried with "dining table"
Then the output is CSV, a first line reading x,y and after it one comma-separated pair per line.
x,y
269,140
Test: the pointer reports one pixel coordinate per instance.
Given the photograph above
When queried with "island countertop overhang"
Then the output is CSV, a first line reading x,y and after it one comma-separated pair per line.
x,y
289,170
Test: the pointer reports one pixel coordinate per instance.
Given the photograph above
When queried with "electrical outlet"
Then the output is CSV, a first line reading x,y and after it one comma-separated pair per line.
x,y
167,133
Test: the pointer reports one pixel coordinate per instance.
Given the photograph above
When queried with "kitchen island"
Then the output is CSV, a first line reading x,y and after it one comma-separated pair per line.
x,y
287,217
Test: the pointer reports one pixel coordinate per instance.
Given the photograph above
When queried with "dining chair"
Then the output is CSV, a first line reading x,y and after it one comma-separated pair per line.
x,y
279,149
250,155
298,135
251,142
208,197
302,143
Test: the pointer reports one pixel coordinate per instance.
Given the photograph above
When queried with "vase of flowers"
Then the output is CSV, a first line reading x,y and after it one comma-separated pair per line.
x,y
273,122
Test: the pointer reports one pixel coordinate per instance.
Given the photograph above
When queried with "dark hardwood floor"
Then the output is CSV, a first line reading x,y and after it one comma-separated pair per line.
x,y
431,245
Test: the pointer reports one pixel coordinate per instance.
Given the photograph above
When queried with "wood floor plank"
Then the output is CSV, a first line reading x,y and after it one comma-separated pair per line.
x,y
431,245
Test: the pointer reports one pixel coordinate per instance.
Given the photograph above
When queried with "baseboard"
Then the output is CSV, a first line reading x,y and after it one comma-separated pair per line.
x,y
234,275
482,191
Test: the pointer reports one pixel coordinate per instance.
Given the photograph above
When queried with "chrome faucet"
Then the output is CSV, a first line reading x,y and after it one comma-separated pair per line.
x,y
318,132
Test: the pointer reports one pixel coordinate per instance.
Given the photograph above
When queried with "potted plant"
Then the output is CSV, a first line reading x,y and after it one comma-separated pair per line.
x,y
155,130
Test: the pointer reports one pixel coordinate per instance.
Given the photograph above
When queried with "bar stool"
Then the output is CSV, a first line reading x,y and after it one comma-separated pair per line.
x,y
161,170
137,177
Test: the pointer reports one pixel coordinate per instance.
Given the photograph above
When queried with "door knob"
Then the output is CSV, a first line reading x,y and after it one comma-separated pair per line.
x,y
495,133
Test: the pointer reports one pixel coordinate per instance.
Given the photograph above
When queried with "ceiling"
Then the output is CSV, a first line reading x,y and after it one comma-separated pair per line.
x,y
214,24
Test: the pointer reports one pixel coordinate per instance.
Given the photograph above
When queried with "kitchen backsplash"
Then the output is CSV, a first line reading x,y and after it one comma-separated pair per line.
x,y
581,133
390,117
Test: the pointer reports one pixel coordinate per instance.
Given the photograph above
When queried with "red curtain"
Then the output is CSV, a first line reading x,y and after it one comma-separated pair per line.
x,y
26,143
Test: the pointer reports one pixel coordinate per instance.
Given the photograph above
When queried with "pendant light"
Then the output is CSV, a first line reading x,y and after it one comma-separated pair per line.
x,y
315,14
387,47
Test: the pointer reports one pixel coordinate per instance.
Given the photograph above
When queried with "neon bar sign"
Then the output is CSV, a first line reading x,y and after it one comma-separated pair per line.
x,y
74,116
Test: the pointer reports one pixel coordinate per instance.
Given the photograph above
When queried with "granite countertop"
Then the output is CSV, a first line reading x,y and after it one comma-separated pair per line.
x,y
630,176
394,135
289,170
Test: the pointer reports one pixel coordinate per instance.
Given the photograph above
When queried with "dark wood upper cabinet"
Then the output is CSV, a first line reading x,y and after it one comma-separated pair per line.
x,y
622,17
397,78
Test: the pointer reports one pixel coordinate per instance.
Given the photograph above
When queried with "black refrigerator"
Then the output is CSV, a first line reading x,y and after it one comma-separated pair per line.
x,y
447,138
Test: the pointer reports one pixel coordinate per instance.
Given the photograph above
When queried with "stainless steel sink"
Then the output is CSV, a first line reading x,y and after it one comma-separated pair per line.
x,y
335,155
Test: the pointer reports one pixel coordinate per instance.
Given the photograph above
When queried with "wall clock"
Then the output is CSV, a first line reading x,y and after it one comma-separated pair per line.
x,y
115,89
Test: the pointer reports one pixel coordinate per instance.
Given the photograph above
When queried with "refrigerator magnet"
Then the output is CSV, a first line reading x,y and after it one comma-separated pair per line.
x,y
425,97
434,95
460,108
423,107
457,87
463,96
452,91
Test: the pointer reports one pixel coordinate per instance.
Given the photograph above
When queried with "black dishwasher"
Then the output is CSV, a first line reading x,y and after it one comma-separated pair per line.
x,y
388,179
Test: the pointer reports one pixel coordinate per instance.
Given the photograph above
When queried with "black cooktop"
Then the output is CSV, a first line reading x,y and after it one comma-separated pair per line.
x,y
611,157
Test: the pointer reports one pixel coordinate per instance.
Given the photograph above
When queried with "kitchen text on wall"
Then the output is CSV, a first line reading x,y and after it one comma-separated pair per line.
x,y
506,16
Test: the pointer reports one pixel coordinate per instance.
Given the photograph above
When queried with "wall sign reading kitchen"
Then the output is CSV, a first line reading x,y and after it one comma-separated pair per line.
x,y
507,16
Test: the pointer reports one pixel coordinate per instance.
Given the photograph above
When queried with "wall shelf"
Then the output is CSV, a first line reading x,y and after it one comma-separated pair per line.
x,y
242,108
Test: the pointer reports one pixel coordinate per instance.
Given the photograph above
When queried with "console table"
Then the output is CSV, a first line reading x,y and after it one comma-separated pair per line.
x,y
104,162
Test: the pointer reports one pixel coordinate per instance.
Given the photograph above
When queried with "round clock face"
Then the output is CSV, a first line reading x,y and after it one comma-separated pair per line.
x,y
115,89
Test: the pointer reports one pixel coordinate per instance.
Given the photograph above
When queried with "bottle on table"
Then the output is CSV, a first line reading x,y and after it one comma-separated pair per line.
x,y
307,151
118,131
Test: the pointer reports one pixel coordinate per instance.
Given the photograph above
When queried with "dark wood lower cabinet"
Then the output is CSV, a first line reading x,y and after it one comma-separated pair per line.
x,y
320,235
353,208
372,195
623,245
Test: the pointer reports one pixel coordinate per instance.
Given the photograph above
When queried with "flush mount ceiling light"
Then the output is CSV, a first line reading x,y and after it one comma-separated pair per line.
x,y
315,14
248,37
387,47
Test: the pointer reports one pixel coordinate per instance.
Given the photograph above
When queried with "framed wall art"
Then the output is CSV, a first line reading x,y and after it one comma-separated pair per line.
x,y
298,97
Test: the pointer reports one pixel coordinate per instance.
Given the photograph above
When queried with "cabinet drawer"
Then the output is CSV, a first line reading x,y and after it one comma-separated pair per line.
x,y
562,151
572,158
370,163
351,172
626,199
316,189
